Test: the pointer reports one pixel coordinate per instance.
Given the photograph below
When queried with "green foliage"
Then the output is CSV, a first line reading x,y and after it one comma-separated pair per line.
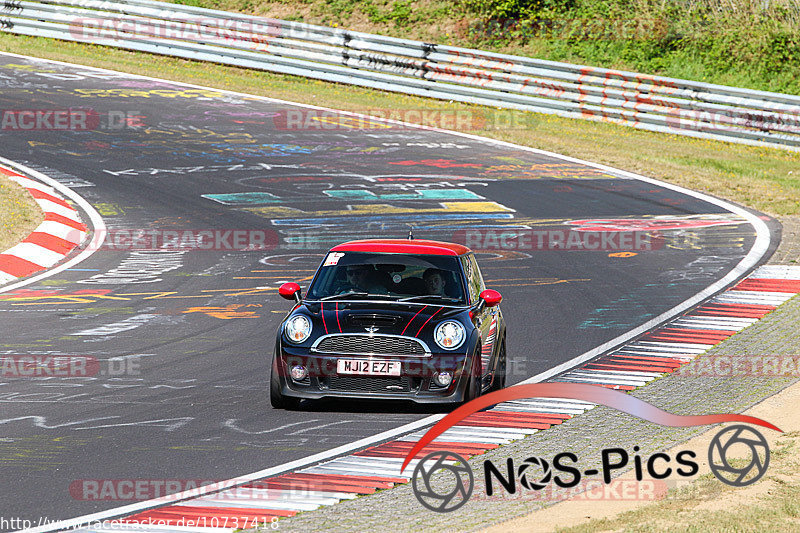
x,y
753,43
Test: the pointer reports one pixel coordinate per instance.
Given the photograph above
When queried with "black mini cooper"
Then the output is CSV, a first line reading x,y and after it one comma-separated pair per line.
x,y
391,319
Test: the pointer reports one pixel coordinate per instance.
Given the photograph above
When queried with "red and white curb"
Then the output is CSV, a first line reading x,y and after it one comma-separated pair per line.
x,y
652,355
61,231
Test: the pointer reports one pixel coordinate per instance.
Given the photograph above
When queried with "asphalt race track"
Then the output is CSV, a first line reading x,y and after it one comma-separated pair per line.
x,y
183,336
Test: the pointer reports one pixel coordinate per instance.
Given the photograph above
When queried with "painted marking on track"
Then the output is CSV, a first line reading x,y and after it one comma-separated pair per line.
x,y
438,163
622,254
417,194
228,312
243,198
534,282
118,327
383,209
33,297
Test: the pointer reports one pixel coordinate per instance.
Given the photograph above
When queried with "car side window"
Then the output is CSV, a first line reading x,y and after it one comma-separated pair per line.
x,y
474,279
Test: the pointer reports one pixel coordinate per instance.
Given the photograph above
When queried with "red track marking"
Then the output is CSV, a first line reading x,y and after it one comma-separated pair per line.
x,y
769,285
376,481
401,449
687,338
513,416
633,368
41,195
11,264
407,445
51,242
312,485
701,332
609,386
733,314
645,359
55,217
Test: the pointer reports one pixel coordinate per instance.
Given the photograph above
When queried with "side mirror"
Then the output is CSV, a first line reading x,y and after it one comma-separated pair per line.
x,y
491,297
290,291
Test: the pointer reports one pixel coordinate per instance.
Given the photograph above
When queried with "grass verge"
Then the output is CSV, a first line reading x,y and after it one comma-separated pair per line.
x,y
767,179
19,213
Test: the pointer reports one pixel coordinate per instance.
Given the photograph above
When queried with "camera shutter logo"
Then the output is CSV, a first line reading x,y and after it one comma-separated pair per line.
x,y
738,436
447,493
523,473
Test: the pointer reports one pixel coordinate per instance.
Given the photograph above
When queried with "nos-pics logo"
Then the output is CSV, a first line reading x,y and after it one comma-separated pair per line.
x,y
443,481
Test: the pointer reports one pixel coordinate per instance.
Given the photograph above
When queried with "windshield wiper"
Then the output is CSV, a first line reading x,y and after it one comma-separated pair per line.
x,y
438,297
350,294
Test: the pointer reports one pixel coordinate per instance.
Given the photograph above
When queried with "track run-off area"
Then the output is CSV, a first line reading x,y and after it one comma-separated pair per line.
x,y
180,333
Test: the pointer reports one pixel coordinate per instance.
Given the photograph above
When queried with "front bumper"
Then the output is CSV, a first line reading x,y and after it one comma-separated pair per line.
x,y
415,383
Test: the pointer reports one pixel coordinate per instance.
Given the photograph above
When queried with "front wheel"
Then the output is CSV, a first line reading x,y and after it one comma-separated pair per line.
x,y
499,379
473,389
276,397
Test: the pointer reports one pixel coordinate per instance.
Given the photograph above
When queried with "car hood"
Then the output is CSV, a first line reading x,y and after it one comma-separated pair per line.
x,y
387,319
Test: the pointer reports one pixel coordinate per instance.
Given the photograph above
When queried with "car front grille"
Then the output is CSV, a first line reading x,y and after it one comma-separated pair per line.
x,y
370,345
369,384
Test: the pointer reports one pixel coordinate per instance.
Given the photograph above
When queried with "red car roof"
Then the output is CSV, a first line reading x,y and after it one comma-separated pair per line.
x,y
402,246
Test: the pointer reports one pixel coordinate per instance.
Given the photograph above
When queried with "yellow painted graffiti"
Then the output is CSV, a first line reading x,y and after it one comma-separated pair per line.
x,y
622,254
528,282
53,297
139,93
382,209
109,210
228,312
546,170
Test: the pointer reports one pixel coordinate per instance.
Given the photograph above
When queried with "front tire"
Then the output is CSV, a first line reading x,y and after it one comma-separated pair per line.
x,y
473,388
276,397
499,379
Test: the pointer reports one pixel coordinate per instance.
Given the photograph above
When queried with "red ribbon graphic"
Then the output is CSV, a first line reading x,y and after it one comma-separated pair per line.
x,y
578,391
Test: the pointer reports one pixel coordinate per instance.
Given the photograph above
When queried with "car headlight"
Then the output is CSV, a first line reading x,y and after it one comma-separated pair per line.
x,y
449,335
298,329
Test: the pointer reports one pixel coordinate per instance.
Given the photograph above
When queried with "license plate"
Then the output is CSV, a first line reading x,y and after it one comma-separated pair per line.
x,y
366,367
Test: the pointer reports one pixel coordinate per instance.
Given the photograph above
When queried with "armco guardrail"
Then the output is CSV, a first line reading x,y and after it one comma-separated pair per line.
x,y
460,74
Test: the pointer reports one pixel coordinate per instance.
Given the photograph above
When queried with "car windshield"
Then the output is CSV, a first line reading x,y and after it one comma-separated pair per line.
x,y
363,275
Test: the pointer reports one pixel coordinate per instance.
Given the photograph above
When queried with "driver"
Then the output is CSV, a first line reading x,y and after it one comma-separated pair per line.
x,y
361,278
434,281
